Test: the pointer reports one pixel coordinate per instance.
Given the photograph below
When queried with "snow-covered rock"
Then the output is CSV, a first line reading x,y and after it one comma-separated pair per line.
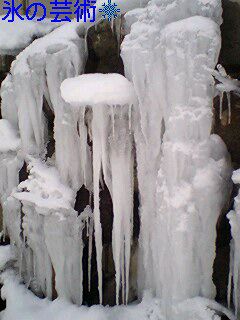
x,y
17,35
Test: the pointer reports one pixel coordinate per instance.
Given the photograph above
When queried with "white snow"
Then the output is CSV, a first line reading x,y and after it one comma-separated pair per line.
x,y
98,89
234,218
9,139
17,35
44,188
22,305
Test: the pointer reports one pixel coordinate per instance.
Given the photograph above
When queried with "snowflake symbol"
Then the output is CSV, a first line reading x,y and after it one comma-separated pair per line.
x,y
109,10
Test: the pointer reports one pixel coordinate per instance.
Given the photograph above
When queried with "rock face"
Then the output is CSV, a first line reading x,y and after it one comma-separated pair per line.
x,y
103,50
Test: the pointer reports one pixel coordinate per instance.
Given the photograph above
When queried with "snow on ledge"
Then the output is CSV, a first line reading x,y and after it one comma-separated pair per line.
x,y
17,35
44,189
98,89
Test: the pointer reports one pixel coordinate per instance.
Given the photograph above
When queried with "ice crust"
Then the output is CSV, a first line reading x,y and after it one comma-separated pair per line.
x,y
163,114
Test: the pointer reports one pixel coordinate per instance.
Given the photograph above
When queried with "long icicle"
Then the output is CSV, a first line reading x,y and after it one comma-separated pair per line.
x,y
96,180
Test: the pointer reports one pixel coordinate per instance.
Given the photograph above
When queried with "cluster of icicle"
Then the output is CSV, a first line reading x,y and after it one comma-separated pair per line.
x,y
31,216
227,85
182,170
107,117
188,168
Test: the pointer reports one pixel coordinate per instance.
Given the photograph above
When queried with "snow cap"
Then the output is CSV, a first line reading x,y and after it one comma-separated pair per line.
x,y
98,89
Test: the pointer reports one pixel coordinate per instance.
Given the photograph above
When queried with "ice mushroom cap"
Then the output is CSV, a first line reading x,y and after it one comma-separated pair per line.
x,y
98,89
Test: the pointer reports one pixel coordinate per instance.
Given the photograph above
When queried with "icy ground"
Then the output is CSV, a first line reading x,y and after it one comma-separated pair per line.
x,y
22,304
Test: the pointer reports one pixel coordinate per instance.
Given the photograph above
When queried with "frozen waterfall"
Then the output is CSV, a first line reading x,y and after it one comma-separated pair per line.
x,y
149,131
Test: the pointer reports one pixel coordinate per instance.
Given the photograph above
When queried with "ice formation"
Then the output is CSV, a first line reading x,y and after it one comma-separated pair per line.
x,y
234,218
110,98
22,305
159,118
41,68
169,70
225,85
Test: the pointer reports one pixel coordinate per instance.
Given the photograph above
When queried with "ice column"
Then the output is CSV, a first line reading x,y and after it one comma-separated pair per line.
x,y
52,232
187,167
10,164
42,67
109,99
193,180
234,269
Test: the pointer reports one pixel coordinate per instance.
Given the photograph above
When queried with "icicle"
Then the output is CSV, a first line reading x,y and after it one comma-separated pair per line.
x,y
96,180
34,266
112,25
29,282
21,262
122,277
113,156
80,228
130,117
90,240
87,226
122,175
235,282
221,105
229,106
4,230
230,276
113,120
